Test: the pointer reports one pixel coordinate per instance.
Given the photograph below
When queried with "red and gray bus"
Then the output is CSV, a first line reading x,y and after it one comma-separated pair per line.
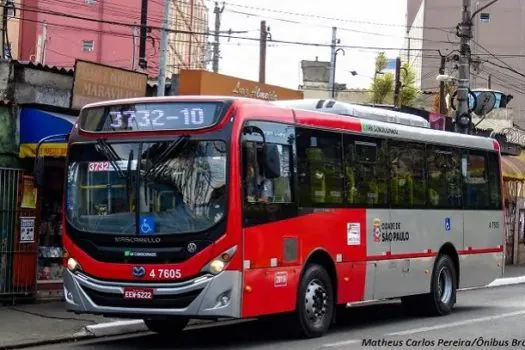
x,y
203,207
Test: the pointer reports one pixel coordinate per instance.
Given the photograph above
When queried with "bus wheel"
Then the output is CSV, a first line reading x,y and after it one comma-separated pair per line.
x,y
315,302
442,296
168,327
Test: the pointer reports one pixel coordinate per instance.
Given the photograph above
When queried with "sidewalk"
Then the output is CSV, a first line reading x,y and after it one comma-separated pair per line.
x,y
34,324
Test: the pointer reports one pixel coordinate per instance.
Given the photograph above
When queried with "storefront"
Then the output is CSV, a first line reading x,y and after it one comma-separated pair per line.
x,y
513,170
35,124
201,82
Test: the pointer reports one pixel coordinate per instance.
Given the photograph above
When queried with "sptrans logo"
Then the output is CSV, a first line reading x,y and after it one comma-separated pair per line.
x,y
377,230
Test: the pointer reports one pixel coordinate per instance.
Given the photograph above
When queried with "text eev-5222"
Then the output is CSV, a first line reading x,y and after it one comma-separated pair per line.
x,y
165,274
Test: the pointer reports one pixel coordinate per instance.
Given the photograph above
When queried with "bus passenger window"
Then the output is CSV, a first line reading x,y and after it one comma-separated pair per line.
x,y
320,167
476,182
494,181
444,178
408,179
366,174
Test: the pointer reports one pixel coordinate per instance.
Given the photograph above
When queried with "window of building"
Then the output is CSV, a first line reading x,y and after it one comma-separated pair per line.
x,y
88,45
320,168
444,177
408,178
10,11
484,17
90,2
476,184
366,171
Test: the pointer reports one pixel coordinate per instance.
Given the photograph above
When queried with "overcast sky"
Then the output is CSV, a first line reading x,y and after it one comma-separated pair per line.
x,y
356,20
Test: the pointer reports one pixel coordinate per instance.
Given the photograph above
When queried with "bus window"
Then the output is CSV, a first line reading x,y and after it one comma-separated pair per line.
x,y
476,184
444,178
494,181
267,172
365,170
320,167
408,179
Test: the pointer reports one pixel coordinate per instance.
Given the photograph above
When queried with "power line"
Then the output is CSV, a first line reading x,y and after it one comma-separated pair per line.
x,y
309,15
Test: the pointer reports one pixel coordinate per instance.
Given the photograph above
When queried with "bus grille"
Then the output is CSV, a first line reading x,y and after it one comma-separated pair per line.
x,y
174,301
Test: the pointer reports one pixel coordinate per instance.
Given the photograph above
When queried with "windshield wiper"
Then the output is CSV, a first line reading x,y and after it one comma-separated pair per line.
x,y
128,176
154,167
111,155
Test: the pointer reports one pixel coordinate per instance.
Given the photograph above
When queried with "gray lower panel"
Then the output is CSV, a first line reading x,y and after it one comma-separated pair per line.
x,y
209,296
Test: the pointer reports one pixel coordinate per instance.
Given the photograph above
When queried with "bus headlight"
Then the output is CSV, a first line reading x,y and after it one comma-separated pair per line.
x,y
218,264
73,265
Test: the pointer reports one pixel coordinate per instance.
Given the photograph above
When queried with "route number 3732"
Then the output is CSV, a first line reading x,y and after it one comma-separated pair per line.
x,y
165,274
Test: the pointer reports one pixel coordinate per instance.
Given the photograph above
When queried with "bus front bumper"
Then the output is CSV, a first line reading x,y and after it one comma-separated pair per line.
x,y
202,297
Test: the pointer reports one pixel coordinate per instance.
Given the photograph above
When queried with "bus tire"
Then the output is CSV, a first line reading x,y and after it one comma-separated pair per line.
x,y
315,302
442,296
167,327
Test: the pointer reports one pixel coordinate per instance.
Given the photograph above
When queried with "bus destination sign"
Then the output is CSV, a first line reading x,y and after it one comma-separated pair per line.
x,y
151,116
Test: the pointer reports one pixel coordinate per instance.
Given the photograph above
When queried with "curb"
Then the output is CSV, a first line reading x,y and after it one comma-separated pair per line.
x,y
109,329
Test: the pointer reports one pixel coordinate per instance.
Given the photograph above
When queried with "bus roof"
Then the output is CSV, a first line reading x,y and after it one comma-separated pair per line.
x,y
355,110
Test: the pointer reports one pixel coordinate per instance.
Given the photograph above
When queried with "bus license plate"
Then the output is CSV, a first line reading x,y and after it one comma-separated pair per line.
x,y
138,293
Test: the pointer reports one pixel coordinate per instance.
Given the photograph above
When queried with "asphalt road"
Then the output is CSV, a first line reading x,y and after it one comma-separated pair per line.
x,y
491,318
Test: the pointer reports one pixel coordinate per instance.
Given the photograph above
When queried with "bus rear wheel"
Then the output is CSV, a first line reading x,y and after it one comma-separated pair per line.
x,y
167,327
443,286
315,302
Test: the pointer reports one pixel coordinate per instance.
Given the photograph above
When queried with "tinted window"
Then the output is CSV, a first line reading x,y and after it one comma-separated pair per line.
x,y
320,168
444,177
494,181
366,171
267,163
476,184
408,178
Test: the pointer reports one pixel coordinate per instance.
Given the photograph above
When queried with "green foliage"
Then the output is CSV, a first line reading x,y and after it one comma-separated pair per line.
x,y
409,92
382,88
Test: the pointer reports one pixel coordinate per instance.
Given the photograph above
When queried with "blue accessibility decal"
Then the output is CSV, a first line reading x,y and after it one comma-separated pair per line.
x,y
447,224
147,225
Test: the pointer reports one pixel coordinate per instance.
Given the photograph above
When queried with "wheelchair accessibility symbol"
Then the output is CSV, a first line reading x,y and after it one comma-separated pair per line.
x,y
147,225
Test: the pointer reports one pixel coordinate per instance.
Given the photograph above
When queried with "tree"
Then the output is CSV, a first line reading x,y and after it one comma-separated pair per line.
x,y
383,84
409,92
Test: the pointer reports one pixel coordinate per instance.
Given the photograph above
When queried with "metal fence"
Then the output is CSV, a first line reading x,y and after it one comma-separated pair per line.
x,y
17,255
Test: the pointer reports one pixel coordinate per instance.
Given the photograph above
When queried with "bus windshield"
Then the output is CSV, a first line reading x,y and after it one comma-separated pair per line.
x,y
178,186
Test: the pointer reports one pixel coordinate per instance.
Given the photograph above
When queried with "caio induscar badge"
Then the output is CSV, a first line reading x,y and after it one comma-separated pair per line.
x,y
377,230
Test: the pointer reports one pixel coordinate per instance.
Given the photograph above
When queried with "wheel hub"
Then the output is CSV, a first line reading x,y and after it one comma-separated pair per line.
x,y
316,302
445,285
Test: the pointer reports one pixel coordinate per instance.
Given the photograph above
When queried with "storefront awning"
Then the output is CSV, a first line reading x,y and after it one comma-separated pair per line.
x,y
513,168
35,124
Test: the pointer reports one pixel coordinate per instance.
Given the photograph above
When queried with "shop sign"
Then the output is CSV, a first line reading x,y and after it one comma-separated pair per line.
x,y
256,92
95,82
27,229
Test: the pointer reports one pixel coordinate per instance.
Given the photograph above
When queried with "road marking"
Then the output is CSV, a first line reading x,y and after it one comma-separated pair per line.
x,y
341,343
456,324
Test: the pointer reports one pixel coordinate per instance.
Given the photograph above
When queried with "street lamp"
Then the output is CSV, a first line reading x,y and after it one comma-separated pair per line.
x,y
335,60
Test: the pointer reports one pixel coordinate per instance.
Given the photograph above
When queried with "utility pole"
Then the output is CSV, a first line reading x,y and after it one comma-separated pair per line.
x,y
464,32
397,86
4,27
331,81
161,88
44,42
143,63
134,48
218,11
442,86
489,81
262,53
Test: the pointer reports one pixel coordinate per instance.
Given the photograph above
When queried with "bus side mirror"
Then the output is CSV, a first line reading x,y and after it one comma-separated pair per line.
x,y
38,171
272,161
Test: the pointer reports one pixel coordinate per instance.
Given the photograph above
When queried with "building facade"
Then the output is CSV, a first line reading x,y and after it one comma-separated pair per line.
x,y
54,33
497,44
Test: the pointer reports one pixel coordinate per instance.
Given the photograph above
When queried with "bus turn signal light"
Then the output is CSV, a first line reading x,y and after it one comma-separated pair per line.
x,y
73,265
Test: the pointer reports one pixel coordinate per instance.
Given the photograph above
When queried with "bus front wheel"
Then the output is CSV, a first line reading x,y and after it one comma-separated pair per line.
x,y
315,302
170,326
442,296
